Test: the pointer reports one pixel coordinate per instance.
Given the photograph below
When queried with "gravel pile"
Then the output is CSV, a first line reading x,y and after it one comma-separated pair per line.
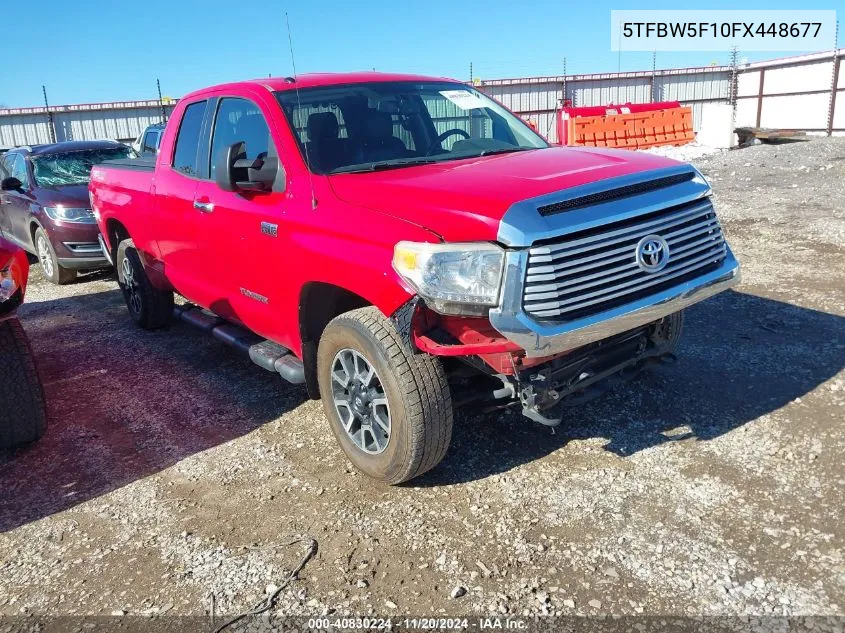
x,y
175,474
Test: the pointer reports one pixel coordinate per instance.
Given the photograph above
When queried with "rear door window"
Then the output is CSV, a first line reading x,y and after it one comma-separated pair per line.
x,y
238,121
187,142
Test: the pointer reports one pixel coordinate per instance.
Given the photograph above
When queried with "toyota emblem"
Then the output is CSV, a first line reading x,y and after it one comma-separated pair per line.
x,y
652,253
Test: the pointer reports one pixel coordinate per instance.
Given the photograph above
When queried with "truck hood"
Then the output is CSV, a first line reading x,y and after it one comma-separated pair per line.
x,y
464,200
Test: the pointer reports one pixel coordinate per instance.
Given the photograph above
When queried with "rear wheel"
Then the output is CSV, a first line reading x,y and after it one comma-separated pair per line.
x,y
148,306
50,267
390,409
23,416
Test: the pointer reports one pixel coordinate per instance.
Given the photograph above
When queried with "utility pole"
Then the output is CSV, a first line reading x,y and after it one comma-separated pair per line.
x,y
653,73
834,81
619,52
51,124
470,73
161,102
734,74
619,65
563,86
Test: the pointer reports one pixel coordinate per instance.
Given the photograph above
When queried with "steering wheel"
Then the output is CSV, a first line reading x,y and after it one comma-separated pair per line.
x,y
438,142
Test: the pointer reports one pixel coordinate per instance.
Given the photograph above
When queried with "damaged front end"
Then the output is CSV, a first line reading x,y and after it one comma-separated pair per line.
x,y
545,390
493,372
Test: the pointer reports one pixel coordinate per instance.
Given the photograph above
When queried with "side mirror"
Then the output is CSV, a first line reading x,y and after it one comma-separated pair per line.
x,y
11,184
233,171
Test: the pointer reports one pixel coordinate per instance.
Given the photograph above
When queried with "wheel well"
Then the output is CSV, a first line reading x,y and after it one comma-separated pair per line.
x,y
116,233
319,303
33,227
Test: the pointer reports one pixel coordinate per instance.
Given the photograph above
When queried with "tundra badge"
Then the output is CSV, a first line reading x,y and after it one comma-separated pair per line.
x,y
254,295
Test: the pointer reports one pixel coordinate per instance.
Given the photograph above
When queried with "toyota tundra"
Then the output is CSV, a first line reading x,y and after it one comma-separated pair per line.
x,y
402,245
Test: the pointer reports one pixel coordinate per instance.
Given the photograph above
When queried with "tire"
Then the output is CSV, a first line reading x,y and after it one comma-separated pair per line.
x,y
50,268
418,401
23,416
669,332
148,306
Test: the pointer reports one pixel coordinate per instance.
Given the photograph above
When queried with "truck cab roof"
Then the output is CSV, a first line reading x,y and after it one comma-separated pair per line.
x,y
314,80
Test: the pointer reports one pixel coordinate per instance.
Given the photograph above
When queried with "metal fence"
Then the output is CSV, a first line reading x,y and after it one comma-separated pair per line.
x,y
122,121
798,93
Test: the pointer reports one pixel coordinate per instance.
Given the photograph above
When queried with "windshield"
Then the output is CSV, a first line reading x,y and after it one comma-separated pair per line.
x,y
72,168
381,125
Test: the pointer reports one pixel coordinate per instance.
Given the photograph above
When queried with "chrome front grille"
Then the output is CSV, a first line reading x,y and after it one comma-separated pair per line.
x,y
598,269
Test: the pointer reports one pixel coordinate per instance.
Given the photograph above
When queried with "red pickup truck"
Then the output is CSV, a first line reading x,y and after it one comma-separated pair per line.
x,y
400,244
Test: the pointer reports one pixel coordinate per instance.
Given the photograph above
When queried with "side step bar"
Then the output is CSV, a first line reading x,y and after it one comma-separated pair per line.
x,y
266,354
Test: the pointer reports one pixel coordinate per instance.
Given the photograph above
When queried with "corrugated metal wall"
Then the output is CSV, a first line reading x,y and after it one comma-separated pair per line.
x,y
538,98
797,93
120,121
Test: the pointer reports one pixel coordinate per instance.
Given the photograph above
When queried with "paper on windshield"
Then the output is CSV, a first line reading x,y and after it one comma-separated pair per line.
x,y
464,99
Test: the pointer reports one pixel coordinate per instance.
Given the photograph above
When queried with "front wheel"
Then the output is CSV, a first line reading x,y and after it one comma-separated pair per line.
x,y
53,272
149,307
23,416
390,409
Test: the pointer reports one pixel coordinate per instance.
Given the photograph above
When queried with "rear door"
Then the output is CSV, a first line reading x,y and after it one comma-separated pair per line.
x,y
178,171
243,236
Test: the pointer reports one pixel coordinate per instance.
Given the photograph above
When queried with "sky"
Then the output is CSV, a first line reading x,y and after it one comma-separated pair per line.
x,y
87,51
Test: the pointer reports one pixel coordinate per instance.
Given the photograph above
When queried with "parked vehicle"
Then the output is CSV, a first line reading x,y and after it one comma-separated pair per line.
x,y
402,243
23,416
44,206
148,141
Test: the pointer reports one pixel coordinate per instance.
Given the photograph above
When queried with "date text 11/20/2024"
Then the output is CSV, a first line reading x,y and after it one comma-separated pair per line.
x,y
416,624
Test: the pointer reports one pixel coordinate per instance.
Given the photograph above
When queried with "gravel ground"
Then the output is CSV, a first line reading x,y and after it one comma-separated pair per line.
x,y
174,470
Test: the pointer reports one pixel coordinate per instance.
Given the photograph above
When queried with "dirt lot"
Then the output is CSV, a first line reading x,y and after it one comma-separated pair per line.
x,y
174,470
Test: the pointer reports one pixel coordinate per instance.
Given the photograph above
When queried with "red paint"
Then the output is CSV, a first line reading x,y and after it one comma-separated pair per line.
x,y
474,336
15,258
347,240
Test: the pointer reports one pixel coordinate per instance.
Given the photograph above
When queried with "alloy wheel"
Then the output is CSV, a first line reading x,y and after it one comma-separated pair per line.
x,y
45,257
130,287
360,401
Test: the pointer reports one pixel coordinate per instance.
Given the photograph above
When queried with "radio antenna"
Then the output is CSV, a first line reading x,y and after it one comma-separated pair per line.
x,y
299,107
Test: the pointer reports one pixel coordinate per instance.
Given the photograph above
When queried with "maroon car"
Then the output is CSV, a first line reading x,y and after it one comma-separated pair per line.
x,y
44,205
23,416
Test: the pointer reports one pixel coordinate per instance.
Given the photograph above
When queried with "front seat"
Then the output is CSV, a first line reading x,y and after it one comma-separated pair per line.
x,y
326,150
379,143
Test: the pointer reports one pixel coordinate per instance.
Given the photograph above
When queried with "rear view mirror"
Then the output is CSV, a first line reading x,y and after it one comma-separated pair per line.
x,y
11,184
233,171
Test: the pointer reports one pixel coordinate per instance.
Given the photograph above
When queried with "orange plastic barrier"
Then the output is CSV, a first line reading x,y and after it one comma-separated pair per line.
x,y
630,130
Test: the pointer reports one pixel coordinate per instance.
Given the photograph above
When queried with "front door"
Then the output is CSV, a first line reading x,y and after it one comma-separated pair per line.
x,y
16,204
241,234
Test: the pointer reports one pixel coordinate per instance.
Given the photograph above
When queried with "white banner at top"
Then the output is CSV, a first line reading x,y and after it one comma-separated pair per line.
x,y
720,30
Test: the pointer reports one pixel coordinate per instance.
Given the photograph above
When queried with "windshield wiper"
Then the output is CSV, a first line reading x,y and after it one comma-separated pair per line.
x,y
505,150
351,169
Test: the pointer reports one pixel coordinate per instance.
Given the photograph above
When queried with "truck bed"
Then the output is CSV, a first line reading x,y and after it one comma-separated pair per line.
x,y
121,191
147,163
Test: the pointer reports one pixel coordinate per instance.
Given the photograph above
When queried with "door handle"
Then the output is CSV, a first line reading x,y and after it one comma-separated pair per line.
x,y
205,207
